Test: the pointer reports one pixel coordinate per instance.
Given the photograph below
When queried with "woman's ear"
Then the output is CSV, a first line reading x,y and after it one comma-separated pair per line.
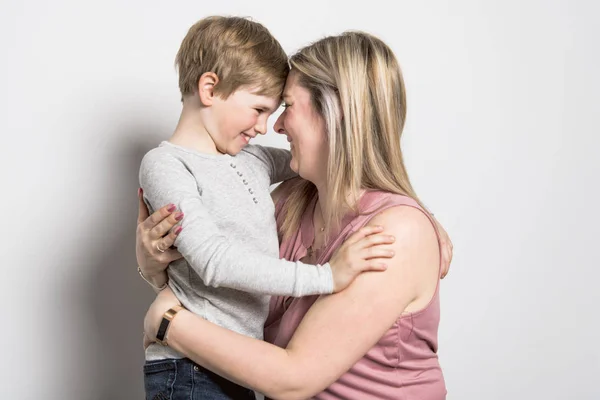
x,y
206,88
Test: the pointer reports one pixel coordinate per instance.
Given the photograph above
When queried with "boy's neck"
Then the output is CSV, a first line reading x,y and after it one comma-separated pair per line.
x,y
191,132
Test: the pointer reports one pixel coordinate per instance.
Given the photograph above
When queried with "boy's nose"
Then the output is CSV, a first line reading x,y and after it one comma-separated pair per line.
x,y
260,129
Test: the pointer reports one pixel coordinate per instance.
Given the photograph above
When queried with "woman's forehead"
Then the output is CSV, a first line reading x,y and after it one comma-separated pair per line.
x,y
294,90
291,84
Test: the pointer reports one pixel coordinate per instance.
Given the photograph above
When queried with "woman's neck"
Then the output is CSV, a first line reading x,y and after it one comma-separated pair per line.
x,y
322,199
323,202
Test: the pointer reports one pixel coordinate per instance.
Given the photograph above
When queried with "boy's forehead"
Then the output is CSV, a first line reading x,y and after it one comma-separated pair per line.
x,y
267,100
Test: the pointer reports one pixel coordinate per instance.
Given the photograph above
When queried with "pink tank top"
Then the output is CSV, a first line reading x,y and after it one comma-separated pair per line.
x,y
403,365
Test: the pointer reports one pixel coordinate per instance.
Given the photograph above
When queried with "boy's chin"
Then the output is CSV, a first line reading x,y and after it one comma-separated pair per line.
x,y
234,150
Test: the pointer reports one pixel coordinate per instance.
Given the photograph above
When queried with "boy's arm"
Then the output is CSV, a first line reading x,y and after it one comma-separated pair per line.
x,y
213,256
276,160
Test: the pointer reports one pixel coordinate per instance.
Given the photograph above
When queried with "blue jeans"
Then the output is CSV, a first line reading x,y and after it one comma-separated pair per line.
x,y
179,379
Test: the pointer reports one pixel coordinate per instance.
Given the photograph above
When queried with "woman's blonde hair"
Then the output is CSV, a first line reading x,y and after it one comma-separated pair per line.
x,y
357,87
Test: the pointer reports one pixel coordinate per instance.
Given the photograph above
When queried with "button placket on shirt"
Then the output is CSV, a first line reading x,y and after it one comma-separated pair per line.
x,y
244,181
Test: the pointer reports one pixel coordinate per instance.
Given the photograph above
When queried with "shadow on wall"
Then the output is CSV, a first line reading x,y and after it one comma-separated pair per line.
x,y
116,299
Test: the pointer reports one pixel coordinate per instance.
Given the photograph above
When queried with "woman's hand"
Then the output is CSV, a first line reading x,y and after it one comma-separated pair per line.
x,y
447,247
163,302
152,248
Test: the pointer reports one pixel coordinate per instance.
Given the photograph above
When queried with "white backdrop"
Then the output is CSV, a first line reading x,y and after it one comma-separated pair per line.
x,y
500,144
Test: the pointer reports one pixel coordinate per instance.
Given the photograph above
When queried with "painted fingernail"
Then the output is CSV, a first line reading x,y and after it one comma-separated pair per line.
x,y
140,191
179,217
178,230
171,208
392,238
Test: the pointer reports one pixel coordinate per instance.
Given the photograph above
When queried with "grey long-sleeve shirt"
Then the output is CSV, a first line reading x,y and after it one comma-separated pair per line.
x,y
229,238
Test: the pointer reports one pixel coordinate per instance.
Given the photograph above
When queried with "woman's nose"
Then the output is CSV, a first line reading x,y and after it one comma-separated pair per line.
x,y
278,127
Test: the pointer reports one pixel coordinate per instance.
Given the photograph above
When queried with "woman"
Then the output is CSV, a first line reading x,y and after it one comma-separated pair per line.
x,y
344,113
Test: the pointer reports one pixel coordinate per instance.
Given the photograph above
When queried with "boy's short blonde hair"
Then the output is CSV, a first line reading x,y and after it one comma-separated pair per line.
x,y
242,53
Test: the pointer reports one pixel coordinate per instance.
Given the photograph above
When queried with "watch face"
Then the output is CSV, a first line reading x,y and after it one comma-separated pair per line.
x,y
162,329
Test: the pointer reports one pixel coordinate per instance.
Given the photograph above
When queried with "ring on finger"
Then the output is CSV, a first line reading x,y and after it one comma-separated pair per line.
x,y
159,249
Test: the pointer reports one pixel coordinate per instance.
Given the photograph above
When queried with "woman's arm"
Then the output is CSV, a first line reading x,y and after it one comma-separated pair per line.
x,y
334,334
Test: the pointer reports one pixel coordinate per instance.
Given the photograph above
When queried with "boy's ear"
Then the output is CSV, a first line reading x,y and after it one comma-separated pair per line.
x,y
206,88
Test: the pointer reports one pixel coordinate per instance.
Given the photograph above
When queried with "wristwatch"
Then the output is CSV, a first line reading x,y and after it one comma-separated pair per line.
x,y
164,324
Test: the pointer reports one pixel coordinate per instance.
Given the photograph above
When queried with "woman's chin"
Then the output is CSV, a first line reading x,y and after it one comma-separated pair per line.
x,y
294,166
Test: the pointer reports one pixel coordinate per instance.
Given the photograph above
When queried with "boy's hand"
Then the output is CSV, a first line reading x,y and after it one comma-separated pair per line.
x,y
358,253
